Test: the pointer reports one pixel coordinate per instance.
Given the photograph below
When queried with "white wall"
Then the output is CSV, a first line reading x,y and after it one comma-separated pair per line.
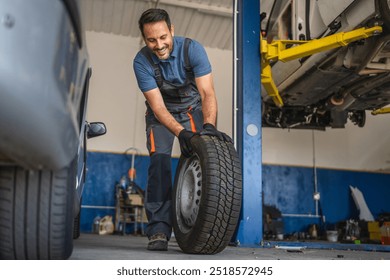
x,y
353,148
115,99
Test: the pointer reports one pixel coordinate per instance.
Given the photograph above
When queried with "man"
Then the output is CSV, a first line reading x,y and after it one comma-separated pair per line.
x,y
175,77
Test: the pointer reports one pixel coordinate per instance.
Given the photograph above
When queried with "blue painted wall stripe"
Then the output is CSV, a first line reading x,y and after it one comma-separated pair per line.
x,y
289,188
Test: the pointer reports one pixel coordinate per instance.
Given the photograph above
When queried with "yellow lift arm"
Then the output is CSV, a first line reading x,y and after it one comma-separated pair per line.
x,y
277,50
381,111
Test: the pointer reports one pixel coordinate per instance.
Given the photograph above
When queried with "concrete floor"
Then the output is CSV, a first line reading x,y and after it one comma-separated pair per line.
x,y
130,247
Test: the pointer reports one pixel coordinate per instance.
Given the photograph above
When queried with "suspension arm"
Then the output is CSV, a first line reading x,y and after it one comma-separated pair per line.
x,y
277,50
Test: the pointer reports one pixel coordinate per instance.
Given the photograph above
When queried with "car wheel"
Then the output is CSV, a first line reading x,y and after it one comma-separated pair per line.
x,y
384,7
36,213
207,196
76,226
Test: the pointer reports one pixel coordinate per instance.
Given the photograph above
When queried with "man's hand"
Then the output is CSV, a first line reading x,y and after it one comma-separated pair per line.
x,y
209,129
185,142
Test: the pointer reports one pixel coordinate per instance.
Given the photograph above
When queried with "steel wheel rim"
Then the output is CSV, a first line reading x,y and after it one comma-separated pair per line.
x,y
190,193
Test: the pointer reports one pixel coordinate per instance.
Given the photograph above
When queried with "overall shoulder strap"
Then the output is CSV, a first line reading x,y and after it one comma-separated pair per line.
x,y
157,72
187,63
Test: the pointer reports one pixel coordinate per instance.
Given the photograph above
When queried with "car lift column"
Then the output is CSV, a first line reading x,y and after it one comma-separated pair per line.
x,y
247,118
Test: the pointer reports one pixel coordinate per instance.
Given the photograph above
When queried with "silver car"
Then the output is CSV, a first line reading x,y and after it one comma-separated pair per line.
x,y
44,75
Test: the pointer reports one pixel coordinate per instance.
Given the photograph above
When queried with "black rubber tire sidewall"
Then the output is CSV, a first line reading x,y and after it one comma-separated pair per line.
x,y
76,226
220,201
36,214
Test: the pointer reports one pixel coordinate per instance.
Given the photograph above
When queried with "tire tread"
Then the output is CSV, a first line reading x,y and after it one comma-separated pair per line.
x,y
35,214
221,202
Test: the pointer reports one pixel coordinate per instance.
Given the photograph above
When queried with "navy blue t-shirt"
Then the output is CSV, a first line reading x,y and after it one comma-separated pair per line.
x,y
172,69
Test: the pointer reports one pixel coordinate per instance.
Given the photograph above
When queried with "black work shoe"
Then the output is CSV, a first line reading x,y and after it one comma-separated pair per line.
x,y
158,242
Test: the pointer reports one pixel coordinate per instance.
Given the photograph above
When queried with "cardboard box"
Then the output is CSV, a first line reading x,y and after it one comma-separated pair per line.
x,y
373,227
374,231
136,200
143,218
375,236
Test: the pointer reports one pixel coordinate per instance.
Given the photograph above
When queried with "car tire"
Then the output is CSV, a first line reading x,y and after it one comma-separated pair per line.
x,y
207,196
36,213
76,226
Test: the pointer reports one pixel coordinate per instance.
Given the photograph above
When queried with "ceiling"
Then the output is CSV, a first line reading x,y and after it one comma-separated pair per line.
x,y
207,21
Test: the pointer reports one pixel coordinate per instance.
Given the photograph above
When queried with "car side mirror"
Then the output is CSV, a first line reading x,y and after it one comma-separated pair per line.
x,y
96,129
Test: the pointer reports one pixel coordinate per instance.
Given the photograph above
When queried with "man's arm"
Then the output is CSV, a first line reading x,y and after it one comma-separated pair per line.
x,y
156,102
205,86
209,107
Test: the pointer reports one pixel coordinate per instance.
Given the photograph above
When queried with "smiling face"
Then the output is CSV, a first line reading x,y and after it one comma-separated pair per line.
x,y
159,38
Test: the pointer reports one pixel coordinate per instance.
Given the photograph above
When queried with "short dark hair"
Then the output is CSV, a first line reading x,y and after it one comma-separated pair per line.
x,y
153,15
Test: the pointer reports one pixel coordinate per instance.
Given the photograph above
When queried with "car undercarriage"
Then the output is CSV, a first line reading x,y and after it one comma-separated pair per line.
x,y
329,88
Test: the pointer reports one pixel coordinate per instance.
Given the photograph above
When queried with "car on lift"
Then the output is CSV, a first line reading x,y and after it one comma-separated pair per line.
x,y
44,81
329,88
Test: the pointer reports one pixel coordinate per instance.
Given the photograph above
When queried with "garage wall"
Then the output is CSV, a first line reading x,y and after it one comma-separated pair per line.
x,y
343,157
353,148
115,99
291,189
288,188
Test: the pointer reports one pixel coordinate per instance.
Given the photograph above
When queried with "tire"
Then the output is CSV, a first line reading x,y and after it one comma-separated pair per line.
x,y
76,226
207,196
36,213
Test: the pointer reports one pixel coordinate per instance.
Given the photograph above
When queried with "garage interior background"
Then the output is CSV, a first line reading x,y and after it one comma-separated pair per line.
x,y
295,163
